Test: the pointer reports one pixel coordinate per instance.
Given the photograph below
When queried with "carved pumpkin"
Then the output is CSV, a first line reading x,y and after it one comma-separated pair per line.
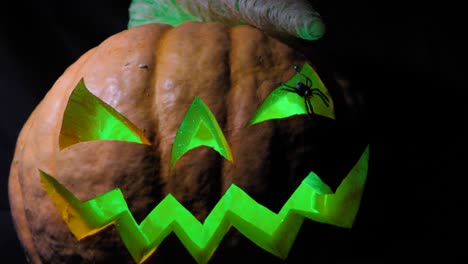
x,y
113,121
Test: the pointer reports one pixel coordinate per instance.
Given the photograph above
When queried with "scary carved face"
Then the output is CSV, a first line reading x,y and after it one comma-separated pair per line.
x,y
155,147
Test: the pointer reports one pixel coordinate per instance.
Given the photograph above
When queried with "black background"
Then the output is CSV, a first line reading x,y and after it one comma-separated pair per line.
x,y
406,60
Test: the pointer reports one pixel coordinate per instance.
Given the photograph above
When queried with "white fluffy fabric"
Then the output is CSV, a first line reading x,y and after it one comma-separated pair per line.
x,y
292,17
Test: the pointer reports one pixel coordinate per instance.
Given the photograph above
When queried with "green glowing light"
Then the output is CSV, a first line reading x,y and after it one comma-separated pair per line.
x,y
282,104
199,128
315,31
150,11
88,118
273,232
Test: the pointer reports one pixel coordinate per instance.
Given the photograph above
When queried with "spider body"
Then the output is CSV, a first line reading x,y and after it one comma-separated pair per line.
x,y
306,91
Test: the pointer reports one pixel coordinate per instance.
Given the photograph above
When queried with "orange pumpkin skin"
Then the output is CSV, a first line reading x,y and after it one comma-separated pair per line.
x,y
151,74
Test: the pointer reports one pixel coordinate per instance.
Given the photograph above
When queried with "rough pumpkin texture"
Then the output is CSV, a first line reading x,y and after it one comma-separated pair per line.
x,y
151,74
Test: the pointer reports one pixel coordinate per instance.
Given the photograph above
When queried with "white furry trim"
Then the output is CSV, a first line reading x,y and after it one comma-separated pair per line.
x,y
293,17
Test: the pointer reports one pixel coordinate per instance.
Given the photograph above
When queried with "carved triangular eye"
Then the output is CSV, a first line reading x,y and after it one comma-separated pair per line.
x,y
88,118
199,128
284,101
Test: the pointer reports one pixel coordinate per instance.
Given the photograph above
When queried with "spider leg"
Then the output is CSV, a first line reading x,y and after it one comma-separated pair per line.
x,y
322,96
309,108
318,91
324,100
289,88
309,82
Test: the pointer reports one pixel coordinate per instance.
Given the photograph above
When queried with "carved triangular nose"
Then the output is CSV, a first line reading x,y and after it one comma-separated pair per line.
x,y
199,128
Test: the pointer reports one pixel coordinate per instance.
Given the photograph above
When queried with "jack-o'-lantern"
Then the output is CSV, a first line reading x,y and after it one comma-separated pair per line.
x,y
214,134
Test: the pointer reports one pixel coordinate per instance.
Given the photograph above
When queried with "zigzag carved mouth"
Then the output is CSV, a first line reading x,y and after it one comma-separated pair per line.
x,y
273,232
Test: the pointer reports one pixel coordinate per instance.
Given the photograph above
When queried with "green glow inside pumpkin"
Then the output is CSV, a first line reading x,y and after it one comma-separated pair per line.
x,y
274,232
88,118
199,128
282,104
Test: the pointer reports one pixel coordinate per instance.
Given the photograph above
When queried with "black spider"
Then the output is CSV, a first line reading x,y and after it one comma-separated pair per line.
x,y
306,91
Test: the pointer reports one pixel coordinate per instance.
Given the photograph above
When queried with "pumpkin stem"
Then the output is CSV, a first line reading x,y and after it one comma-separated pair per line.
x,y
296,18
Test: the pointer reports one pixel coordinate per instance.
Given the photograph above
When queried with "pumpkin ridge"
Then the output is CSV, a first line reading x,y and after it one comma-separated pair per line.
x,y
155,85
152,90
190,55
